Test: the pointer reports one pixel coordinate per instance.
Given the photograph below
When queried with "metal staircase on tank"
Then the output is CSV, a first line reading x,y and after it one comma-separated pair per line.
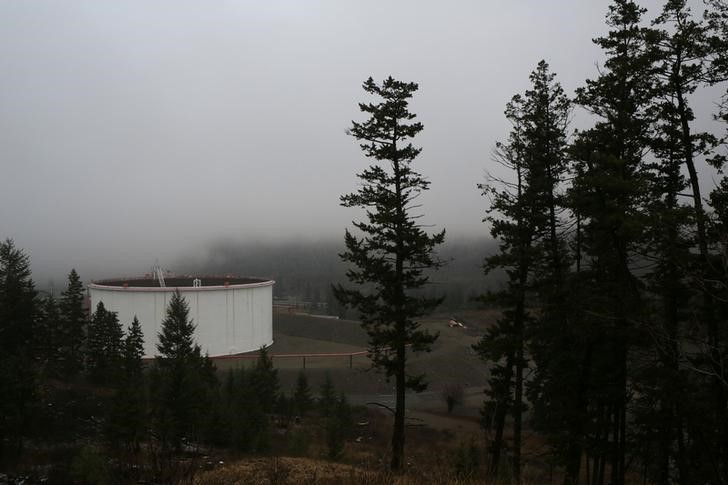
x,y
158,274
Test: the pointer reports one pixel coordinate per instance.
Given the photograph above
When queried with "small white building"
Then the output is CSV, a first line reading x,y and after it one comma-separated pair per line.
x,y
232,314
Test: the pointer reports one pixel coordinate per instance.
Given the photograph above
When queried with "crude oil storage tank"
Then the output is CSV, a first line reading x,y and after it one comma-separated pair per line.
x,y
232,314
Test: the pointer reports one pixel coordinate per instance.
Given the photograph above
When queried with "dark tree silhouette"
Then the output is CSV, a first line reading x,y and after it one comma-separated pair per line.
x,y
183,376
302,395
104,348
524,218
18,310
391,256
74,326
127,421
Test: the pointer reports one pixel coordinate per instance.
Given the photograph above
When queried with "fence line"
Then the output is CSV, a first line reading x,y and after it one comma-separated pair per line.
x,y
302,356
306,358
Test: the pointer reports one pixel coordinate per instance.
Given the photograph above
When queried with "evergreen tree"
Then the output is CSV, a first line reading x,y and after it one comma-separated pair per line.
x,y
717,17
338,427
664,419
717,20
18,313
133,351
184,382
74,326
94,345
327,396
390,259
525,219
17,299
104,348
127,420
48,337
704,368
302,395
176,340
285,409
588,384
264,379
249,425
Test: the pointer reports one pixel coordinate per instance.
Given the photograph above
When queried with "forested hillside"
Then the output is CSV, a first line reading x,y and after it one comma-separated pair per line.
x,y
306,270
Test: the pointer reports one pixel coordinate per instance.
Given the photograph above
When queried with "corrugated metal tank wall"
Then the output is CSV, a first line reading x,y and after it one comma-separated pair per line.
x,y
229,320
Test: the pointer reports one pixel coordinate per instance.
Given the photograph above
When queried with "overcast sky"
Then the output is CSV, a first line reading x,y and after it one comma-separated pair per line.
x,y
139,130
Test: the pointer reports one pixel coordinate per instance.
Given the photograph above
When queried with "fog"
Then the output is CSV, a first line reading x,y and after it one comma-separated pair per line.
x,y
138,130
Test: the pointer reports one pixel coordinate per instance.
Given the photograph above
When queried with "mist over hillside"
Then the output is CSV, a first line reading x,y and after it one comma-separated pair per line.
x,y
305,270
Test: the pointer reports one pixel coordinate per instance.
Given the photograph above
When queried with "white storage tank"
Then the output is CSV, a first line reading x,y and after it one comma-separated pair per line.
x,y
232,314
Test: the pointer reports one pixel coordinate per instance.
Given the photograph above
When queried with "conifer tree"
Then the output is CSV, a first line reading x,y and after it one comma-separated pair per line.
x,y
104,348
133,351
249,427
327,395
176,340
663,418
338,427
302,395
525,218
74,326
717,23
18,313
18,305
717,19
715,377
48,337
127,420
391,257
184,382
609,193
264,379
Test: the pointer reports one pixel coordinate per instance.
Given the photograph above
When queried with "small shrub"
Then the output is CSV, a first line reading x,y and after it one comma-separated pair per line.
x,y
453,395
90,467
298,442
334,437
263,443
338,427
465,461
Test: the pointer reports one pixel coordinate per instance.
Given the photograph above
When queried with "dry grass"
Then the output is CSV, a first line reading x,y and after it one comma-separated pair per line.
x,y
429,460
278,471
305,471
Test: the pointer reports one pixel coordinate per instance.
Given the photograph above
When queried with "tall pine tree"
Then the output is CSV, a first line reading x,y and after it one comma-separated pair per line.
x,y
525,218
74,326
127,420
609,193
390,258
664,419
184,379
48,337
104,348
18,313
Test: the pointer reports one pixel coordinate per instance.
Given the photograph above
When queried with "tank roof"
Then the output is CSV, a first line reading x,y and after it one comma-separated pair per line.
x,y
180,281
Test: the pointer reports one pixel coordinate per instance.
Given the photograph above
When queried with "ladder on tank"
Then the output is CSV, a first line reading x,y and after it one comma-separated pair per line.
x,y
158,274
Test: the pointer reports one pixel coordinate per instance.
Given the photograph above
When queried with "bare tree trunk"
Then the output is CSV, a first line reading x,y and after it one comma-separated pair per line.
x,y
399,413
519,364
599,437
518,409
576,447
500,421
400,377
